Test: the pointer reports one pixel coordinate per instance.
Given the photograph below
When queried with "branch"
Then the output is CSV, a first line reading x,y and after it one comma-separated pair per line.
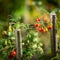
x,y
3,49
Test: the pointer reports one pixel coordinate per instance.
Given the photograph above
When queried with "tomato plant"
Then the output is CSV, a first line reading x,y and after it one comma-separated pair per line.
x,y
43,25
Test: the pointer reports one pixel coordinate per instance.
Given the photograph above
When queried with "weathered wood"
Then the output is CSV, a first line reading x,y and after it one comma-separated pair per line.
x,y
18,44
53,35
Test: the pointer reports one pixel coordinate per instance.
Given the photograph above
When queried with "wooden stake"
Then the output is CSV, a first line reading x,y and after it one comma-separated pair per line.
x,y
18,44
53,35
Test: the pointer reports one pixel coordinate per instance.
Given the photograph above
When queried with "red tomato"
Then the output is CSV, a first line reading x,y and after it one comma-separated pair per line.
x,y
38,19
13,53
36,25
39,29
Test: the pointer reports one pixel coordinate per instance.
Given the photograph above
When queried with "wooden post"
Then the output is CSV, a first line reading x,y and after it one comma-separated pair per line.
x,y
53,34
18,44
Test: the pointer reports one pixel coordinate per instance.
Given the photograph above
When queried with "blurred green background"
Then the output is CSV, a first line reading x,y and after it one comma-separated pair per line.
x,y
27,10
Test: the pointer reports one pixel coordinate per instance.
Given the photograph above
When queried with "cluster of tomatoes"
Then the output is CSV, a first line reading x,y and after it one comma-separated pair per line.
x,y
12,54
40,27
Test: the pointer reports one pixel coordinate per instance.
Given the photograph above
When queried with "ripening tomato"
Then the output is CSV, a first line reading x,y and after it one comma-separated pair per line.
x,y
49,27
10,28
40,29
39,25
4,33
45,30
38,19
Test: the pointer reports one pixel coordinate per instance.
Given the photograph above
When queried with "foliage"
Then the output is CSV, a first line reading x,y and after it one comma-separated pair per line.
x,y
31,42
7,43
31,45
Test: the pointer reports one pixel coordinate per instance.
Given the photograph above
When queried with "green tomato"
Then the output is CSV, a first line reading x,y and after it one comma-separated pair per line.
x,y
9,42
34,46
41,44
9,33
36,40
5,42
